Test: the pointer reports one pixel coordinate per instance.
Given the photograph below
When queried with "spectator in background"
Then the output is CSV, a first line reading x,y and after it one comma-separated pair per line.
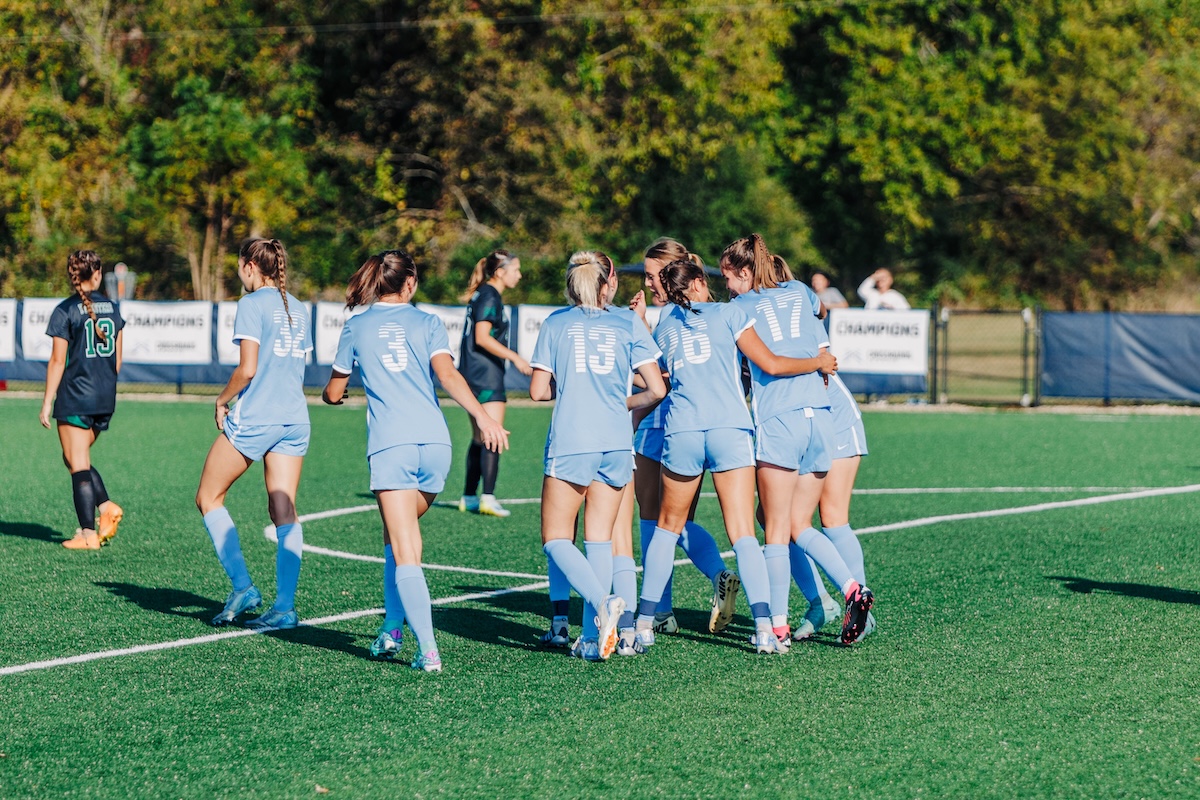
x,y
877,292
830,296
120,282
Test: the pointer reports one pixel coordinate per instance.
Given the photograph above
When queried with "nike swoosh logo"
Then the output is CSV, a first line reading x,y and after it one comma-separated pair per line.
x,y
842,446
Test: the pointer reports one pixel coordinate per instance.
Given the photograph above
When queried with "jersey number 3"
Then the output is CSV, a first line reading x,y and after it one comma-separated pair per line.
x,y
97,348
397,359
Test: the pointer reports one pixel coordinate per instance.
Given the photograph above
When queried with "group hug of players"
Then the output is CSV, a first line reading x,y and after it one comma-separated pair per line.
x,y
639,414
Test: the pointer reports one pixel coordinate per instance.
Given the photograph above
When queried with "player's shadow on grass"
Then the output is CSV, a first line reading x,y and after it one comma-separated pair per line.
x,y
176,602
30,530
1163,594
496,623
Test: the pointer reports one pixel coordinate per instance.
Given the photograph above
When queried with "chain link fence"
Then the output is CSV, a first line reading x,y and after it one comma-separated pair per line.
x,y
985,357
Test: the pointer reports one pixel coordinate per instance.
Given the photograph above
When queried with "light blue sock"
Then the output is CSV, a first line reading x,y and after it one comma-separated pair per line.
x,y
702,549
804,572
287,565
850,549
579,572
817,546
414,594
779,575
752,568
560,589
225,541
624,578
393,608
599,555
666,603
657,562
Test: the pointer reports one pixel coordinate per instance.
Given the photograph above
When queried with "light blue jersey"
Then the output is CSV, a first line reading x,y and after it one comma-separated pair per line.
x,y
275,396
657,419
842,404
700,353
393,345
591,354
783,319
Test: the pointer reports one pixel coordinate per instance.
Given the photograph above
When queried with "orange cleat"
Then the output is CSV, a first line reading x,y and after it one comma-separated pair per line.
x,y
82,541
109,520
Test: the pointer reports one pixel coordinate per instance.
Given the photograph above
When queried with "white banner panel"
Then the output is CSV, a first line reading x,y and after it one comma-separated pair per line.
x,y
880,342
167,333
329,319
455,319
35,318
227,351
531,318
8,330
653,313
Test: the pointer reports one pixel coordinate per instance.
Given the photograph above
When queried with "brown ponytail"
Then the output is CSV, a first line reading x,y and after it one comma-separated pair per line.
x,y
271,259
676,277
751,253
668,250
485,268
385,273
81,266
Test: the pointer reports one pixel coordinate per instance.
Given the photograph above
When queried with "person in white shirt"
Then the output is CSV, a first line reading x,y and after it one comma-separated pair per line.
x,y
877,292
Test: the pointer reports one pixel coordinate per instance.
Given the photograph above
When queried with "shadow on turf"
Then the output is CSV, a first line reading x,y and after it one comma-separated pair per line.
x,y
30,530
1163,594
166,601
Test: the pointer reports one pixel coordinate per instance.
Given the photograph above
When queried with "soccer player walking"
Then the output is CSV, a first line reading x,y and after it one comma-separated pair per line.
x,y
81,392
399,351
268,422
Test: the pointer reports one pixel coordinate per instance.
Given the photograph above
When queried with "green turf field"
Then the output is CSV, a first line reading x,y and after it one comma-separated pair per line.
x,y
1047,654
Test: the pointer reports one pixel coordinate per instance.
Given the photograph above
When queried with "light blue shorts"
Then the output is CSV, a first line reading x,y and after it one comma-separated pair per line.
x,y
850,442
801,440
690,453
255,441
410,466
614,468
648,442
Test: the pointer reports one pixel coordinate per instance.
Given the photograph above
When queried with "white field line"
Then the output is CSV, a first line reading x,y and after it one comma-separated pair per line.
x,y
530,587
240,632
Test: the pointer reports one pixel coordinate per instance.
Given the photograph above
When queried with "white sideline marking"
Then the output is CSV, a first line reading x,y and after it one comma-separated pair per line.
x,y
240,632
1004,512
1004,490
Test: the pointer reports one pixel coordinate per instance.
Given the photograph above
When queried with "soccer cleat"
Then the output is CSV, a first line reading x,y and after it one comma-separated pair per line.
x,y
819,615
783,635
81,541
389,639
428,662
607,617
489,506
645,638
725,589
576,650
766,642
557,637
469,504
590,651
858,605
629,645
868,629
274,620
238,603
666,623
109,520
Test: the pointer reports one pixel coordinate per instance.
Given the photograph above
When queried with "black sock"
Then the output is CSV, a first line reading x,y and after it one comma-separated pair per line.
x,y
560,608
471,487
489,464
85,499
98,488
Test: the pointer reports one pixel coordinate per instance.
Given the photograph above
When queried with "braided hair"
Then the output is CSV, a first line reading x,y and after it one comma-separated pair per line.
x,y
676,277
271,259
81,266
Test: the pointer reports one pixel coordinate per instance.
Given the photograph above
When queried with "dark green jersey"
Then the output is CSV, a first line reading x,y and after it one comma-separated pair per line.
x,y
482,369
89,384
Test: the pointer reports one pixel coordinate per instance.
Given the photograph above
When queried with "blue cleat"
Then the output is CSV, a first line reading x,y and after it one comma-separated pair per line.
x,y
274,620
389,639
238,603
820,613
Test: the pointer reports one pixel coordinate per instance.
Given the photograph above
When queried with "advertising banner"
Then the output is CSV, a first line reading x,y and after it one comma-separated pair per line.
x,y
167,333
880,342
531,319
35,318
227,352
8,330
454,318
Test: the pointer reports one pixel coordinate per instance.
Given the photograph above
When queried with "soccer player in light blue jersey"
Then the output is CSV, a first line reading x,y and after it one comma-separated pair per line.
x,y
268,422
590,353
709,427
696,542
399,351
794,432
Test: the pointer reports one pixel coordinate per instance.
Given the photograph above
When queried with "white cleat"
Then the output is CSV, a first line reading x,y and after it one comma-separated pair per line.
x,y
489,506
725,589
